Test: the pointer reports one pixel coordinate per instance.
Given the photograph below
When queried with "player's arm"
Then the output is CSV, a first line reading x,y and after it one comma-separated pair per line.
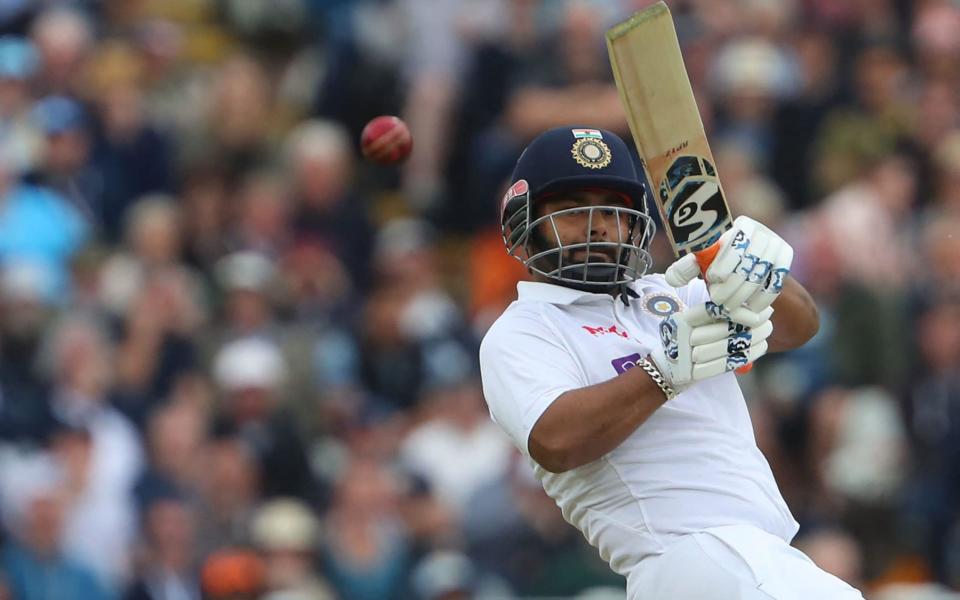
x,y
583,424
576,424
795,318
540,396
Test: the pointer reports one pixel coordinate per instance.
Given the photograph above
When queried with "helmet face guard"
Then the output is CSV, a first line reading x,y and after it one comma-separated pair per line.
x,y
593,264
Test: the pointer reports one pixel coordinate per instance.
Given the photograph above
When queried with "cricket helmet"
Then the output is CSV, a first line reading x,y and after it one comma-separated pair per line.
x,y
571,159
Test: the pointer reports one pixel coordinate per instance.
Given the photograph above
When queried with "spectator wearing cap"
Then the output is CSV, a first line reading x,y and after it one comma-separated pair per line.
x,y
250,374
287,534
254,291
247,283
66,163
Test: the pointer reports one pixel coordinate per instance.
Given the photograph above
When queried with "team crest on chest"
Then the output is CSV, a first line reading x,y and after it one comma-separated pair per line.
x,y
589,149
661,304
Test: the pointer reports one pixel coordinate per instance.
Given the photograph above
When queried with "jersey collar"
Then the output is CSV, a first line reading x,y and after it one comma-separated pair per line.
x,y
557,294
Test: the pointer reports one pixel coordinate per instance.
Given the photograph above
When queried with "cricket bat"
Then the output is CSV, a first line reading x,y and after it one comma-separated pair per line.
x,y
666,126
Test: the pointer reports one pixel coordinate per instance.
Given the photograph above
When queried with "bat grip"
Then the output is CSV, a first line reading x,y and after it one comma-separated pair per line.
x,y
704,259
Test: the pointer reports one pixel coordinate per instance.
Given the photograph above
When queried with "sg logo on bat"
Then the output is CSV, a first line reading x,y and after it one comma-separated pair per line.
x,y
696,212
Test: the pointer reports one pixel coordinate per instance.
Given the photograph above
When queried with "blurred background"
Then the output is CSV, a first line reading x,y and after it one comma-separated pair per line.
x,y
238,362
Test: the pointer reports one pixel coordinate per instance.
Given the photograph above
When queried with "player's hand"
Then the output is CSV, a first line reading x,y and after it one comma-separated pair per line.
x,y
697,345
748,271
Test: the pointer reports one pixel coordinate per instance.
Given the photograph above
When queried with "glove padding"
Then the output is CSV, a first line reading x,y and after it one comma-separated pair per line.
x,y
698,345
749,270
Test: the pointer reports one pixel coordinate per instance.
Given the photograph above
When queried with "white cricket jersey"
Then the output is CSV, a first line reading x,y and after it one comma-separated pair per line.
x,y
694,464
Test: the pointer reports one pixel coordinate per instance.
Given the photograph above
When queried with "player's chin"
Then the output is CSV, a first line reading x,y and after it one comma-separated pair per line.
x,y
593,257
594,274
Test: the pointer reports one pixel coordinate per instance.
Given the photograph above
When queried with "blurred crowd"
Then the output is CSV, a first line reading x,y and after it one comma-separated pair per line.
x,y
237,362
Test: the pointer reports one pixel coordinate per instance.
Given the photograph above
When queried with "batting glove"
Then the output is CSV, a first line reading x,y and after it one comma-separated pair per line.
x,y
748,271
697,345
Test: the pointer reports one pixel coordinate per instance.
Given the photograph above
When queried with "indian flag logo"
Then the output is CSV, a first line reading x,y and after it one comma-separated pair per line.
x,y
587,133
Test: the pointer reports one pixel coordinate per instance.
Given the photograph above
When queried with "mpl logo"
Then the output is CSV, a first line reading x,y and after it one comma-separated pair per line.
x,y
598,331
625,363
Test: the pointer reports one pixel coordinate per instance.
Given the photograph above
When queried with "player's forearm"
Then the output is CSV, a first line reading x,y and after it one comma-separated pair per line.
x,y
795,318
584,424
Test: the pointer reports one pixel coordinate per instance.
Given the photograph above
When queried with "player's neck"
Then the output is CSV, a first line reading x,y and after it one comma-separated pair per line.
x,y
612,289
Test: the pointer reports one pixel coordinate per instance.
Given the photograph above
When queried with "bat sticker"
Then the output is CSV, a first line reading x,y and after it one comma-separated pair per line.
x,y
695,208
683,167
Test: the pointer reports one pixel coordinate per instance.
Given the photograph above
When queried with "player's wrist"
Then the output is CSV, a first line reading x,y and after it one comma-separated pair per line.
x,y
659,375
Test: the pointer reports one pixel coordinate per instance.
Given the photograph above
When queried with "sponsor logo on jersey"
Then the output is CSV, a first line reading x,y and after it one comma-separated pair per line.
x,y
625,363
661,304
598,331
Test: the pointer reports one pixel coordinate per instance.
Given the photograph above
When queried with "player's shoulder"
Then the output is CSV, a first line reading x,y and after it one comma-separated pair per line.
x,y
653,283
648,280
519,315
520,319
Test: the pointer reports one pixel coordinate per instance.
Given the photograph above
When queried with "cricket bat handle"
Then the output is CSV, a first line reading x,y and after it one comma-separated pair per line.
x,y
704,258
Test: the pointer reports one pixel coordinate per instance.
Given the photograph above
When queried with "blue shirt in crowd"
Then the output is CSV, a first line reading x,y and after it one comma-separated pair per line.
x,y
31,578
40,227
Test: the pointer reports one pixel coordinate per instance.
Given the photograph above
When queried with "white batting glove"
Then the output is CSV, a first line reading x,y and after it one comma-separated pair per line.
x,y
698,345
748,271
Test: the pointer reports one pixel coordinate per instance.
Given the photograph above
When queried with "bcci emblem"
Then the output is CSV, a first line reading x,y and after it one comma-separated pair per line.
x,y
661,304
591,152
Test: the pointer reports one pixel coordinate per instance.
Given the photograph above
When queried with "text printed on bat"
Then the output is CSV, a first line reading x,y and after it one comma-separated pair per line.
x,y
676,149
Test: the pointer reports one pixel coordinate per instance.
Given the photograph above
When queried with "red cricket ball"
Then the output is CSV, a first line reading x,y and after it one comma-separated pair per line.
x,y
386,140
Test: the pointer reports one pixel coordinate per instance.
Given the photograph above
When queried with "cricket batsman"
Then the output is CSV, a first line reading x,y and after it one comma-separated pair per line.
x,y
619,384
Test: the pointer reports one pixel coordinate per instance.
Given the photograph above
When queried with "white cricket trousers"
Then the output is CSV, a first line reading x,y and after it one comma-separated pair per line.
x,y
734,563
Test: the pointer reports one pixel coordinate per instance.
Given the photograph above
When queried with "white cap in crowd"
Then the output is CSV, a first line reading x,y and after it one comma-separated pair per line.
x,y
249,363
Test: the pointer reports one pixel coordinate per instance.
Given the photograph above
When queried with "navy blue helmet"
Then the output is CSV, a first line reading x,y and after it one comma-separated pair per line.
x,y
572,159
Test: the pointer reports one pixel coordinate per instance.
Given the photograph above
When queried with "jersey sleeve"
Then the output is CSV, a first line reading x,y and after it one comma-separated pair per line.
x,y
524,367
